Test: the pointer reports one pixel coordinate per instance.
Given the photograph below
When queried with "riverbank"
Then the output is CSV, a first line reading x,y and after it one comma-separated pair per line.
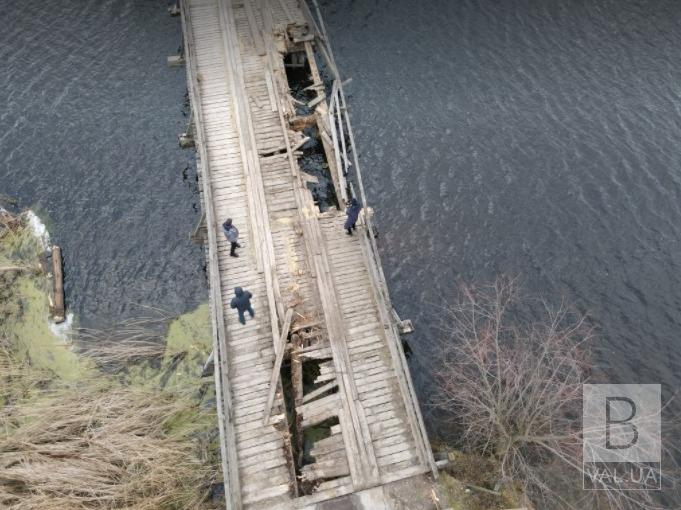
x,y
128,426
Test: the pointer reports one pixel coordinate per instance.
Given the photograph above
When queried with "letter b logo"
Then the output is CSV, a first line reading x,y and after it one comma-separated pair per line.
x,y
621,423
610,422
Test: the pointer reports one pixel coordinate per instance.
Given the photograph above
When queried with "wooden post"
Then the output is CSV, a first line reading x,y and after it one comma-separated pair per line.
x,y
58,311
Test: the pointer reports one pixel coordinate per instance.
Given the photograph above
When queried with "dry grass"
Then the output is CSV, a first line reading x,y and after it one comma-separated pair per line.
x,y
130,342
99,444
102,447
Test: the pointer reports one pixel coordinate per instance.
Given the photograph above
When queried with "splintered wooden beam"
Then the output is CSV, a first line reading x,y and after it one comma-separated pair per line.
x,y
274,379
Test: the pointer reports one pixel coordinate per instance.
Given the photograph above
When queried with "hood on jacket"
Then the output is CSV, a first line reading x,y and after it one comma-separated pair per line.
x,y
238,291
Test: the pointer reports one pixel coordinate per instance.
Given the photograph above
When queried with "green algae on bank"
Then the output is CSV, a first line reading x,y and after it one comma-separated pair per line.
x,y
24,303
187,344
32,339
191,337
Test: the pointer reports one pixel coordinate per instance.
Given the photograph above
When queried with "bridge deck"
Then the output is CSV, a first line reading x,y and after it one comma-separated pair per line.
x,y
354,423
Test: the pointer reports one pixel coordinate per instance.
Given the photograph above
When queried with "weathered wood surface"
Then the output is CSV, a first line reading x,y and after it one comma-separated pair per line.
x,y
58,310
307,277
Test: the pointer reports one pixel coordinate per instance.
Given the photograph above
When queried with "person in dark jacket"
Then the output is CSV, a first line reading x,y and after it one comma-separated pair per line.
x,y
242,302
353,213
232,235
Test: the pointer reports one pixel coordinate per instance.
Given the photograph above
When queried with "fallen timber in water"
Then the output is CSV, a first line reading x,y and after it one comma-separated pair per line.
x,y
314,396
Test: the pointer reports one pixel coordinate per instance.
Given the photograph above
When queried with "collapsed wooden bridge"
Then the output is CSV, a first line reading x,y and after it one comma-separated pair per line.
x,y
314,396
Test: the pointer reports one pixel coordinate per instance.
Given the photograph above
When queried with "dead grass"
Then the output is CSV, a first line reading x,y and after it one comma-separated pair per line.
x,y
104,446
100,441
99,444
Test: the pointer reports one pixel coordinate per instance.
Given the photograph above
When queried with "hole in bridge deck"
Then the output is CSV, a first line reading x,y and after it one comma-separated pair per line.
x,y
315,433
313,160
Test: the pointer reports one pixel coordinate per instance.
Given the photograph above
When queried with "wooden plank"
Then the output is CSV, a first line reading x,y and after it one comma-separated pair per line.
x,y
270,91
274,378
320,391
271,492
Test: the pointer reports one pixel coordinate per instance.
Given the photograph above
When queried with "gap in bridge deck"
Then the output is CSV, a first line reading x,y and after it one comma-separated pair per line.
x,y
301,378
313,160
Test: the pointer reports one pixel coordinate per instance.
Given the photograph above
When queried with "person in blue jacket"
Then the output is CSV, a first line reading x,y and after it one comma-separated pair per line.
x,y
352,211
242,302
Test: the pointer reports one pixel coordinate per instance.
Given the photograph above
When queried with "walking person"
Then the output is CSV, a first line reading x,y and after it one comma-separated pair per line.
x,y
352,212
232,234
242,302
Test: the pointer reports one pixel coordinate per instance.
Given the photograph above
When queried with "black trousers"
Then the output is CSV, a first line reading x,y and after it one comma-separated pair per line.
x,y
234,246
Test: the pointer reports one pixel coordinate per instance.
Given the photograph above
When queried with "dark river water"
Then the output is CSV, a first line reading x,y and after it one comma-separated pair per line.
x,y
530,137
89,119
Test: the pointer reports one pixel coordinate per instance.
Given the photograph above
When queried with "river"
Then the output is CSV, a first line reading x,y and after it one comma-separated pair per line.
x,y
89,123
525,137
530,138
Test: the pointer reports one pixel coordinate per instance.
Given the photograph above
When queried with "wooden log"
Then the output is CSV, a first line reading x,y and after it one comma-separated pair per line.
x,y
58,311
341,136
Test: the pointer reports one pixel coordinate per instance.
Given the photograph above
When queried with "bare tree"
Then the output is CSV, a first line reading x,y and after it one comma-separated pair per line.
x,y
514,388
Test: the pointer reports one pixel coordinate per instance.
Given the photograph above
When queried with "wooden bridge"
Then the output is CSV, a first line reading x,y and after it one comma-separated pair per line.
x,y
314,396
